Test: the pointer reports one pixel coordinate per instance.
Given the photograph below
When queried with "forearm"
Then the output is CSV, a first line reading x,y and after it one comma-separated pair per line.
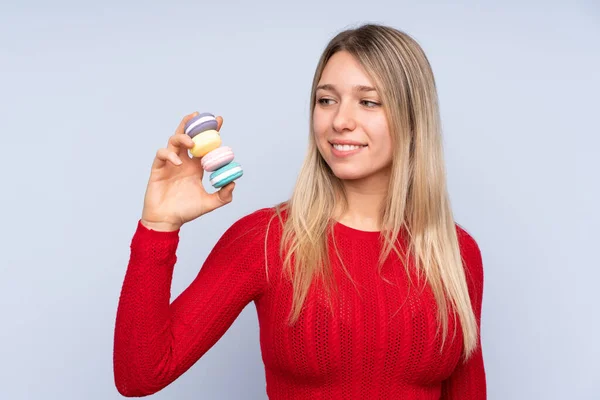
x,y
142,331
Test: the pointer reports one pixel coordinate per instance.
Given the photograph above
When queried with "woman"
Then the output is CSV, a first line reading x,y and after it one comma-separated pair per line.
x,y
364,285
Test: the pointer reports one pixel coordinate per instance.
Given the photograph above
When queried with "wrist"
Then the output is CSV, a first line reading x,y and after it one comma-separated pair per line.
x,y
160,226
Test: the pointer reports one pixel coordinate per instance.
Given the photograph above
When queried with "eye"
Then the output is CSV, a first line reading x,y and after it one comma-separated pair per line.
x,y
370,104
324,101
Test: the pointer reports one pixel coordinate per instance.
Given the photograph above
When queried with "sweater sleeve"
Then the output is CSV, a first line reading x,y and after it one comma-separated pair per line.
x,y
468,381
156,341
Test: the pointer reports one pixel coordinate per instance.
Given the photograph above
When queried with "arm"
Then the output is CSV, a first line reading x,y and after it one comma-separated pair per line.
x,y
155,342
468,381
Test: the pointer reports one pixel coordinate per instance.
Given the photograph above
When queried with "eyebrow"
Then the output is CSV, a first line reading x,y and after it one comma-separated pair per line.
x,y
356,88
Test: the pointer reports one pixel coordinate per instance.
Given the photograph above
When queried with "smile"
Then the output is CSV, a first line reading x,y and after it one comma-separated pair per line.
x,y
346,147
342,150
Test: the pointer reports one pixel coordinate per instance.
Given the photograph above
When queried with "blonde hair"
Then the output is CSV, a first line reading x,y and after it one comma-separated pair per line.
x,y
417,202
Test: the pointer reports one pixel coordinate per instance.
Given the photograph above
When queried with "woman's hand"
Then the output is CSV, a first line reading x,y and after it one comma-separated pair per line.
x,y
175,193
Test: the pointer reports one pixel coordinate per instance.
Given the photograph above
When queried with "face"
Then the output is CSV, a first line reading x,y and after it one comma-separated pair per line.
x,y
350,125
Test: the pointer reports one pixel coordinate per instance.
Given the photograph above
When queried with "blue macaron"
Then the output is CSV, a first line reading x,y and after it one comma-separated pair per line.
x,y
226,174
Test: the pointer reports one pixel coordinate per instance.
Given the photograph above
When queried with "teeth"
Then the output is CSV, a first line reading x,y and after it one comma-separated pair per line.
x,y
346,147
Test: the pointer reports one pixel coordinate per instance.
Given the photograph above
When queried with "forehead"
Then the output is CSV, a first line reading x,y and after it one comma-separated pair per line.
x,y
344,70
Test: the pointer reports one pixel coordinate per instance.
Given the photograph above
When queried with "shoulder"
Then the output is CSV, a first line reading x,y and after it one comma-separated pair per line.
x,y
469,247
255,219
472,259
255,225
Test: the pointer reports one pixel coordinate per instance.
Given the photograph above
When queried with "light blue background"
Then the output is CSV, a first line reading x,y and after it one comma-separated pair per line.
x,y
89,91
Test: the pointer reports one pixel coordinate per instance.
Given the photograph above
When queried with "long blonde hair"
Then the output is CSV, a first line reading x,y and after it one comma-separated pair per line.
x,y
417,201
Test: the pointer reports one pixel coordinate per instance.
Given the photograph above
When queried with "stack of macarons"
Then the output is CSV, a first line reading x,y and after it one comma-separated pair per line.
x,y
207,146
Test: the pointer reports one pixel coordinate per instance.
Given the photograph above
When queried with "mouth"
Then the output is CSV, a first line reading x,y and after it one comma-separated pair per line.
x,y
346,149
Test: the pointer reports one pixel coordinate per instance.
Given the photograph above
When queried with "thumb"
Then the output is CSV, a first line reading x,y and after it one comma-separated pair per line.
x,y
221,197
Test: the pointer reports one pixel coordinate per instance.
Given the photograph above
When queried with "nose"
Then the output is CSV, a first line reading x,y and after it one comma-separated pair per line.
x,y
344,119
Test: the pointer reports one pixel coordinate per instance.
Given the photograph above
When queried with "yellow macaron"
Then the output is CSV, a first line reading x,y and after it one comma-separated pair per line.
x,y
205,142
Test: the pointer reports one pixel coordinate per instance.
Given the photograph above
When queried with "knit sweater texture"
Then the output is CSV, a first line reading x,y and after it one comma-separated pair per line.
x,y
379,342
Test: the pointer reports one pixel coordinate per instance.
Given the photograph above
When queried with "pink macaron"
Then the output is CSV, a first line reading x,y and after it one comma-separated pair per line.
x,y
217,158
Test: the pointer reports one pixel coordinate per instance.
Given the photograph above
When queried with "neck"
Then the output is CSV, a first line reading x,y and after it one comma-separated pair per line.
x,y
365,200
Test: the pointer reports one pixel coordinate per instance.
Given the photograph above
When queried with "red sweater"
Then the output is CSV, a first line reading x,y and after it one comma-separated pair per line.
x,y
379,344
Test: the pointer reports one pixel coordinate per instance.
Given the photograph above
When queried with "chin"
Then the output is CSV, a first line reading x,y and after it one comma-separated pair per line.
x,y
349,174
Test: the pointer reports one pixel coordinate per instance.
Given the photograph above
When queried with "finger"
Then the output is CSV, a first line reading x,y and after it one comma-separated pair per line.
x,y
221,197
181,127
179,144
225,194
219,122
165,155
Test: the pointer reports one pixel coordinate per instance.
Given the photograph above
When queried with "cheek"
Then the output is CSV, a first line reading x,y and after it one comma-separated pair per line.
x,y
381,137
319,124
320,133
